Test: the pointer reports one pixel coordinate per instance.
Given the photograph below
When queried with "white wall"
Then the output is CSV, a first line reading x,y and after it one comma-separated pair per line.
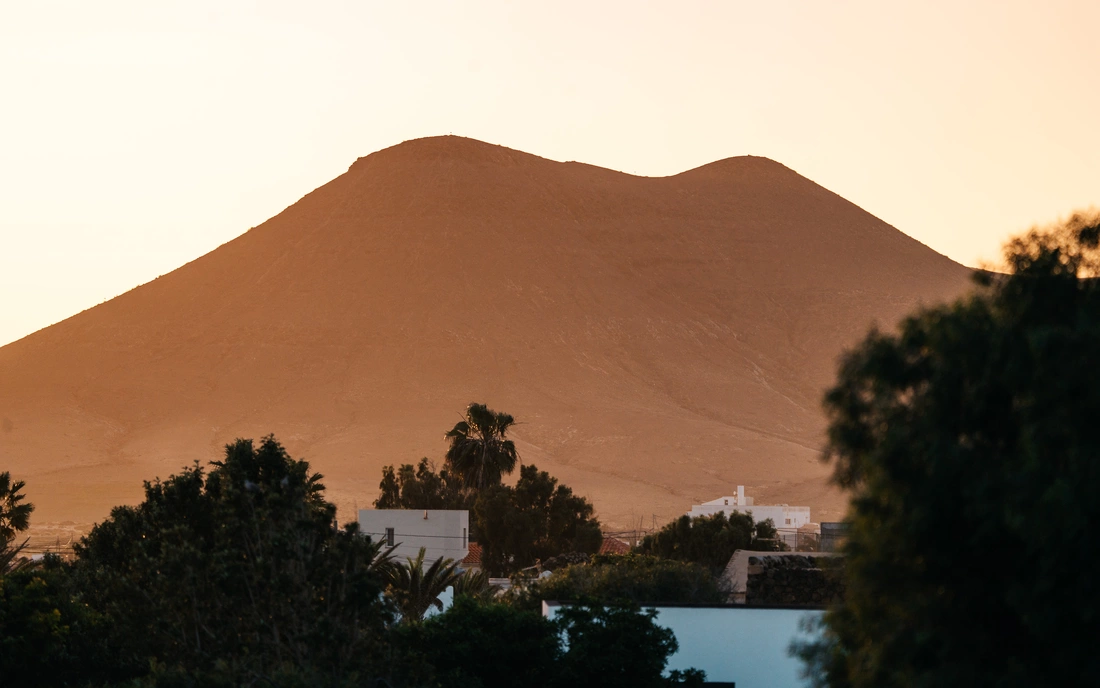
x,y
443,533
779,514
744,645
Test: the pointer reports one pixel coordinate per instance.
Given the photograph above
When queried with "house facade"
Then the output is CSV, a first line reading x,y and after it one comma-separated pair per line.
x,y
441,532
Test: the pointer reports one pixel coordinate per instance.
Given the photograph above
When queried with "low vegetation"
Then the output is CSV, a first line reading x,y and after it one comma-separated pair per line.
x,y
635,579
710,541
500,645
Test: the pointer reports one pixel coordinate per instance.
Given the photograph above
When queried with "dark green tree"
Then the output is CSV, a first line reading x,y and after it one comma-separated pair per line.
x,y
711,540
969,443
618,647
493,645
483,645
422,488
239,574
479,453
535,520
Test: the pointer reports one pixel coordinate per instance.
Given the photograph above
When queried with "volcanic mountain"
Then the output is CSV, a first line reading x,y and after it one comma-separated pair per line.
x,y
659,340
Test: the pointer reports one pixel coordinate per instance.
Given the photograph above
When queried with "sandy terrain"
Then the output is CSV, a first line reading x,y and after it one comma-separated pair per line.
x,y
660,340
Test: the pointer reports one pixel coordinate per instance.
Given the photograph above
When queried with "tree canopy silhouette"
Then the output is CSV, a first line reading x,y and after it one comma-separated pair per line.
x,y
15,518
969,443
421,487
711,540
535,520
239,575
479,453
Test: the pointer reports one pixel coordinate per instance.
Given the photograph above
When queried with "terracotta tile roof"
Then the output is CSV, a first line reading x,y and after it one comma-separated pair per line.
x,y
474,557
612,545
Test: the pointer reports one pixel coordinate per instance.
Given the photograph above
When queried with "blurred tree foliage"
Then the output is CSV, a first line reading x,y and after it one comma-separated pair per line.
x,y
711,540
969,443
535,520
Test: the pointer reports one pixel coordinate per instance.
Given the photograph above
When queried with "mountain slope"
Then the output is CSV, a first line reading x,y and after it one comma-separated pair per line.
x,y
659,339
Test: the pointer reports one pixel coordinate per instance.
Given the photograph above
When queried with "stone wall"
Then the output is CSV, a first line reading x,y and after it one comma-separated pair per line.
x,y
809,580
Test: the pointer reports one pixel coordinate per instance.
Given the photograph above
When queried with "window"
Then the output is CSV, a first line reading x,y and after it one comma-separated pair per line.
x,y
389,537
463,537
727,502
788,521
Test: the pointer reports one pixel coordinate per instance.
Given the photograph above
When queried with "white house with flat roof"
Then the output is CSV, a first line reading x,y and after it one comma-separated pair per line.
x,y
787,519
441,532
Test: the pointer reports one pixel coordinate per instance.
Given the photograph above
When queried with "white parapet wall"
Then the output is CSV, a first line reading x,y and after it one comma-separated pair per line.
x,y
441,532
787,519
747,646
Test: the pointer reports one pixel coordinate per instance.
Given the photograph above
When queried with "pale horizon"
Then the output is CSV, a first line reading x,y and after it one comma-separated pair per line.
x,y
139,138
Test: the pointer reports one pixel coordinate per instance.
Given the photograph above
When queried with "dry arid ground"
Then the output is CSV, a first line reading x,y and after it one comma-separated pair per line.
x,y
660,340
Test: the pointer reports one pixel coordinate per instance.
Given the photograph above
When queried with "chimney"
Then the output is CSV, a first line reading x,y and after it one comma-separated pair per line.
x,y
740,495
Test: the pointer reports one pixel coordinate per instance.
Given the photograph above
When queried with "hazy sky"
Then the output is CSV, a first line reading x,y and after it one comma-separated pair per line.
x,y
136,136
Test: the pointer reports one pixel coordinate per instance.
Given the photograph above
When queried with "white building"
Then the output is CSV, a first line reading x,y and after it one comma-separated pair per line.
x,y
787,519
441,532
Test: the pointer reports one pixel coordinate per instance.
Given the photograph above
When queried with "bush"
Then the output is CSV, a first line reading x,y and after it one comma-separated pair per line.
x,y
711,540
625,578
618,647
496,645
483,644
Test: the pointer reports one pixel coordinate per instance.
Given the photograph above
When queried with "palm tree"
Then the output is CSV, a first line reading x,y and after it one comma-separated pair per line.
x,y
479,454
381,558
476,584
415,588
15,517
10,559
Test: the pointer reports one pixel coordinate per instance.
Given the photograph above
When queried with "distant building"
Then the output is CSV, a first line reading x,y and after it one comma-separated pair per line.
x,y
788,520
441,532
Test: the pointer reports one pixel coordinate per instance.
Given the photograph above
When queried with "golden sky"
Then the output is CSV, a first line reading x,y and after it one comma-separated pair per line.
x,y
136,136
